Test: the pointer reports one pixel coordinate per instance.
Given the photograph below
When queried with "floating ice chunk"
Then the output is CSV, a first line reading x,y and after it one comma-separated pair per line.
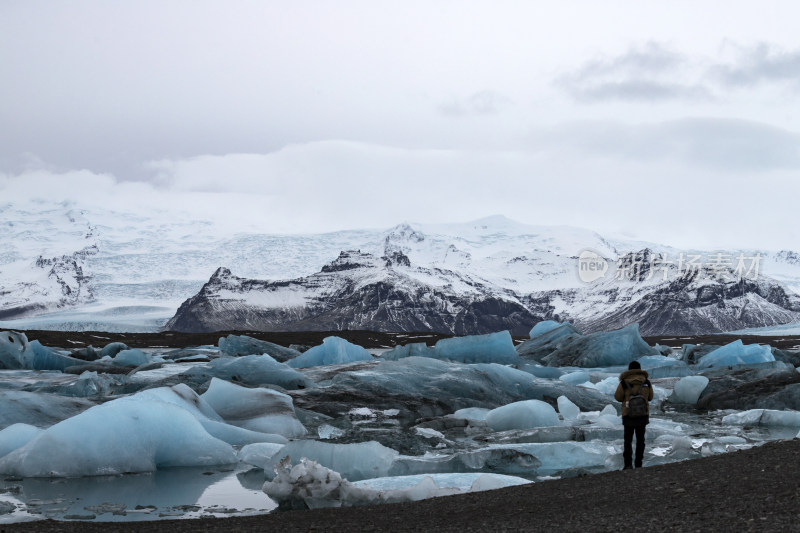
x,y
492,348
327,431
13,346
238,345
736,353
522,415
547,372
608,385
609,410
763,417
464,482
429,433
38,408
414,349
112,349
262,410
332,351
125,435
311,485
568,410
131,357
16,436
239,436
501,460
546,343
353,461
602,349
557,457
649,362
689,389
543,327
576,378
17,353
472,413
252,370
259,454
451,386
182,396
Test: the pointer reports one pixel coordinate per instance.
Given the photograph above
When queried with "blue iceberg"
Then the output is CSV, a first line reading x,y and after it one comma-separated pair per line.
x,y
544,326
522,415
332,351
736,353
238,345
602,349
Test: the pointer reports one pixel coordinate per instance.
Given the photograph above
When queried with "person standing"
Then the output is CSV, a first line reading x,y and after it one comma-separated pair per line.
x,y
635,392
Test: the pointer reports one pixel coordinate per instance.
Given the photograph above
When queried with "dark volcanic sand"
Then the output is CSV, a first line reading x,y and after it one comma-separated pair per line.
x,y
752,490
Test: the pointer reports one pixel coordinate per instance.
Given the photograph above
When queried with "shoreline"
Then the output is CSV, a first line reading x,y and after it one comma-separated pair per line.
x,y
748,490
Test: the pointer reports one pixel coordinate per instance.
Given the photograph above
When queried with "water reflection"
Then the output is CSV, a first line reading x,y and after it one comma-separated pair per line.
x,y
166,493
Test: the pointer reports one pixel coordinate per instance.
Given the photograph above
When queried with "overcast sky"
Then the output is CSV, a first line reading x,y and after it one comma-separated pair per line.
x,y
676,122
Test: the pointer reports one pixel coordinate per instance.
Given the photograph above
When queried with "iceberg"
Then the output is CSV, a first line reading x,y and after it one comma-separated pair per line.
x,y
182,396
491,348
536,348
332,351
238,345
311,485
353,461
113,348
17,353
261,410
471,413
560,457
736,353
39,409
522,415
499,461
544,326
414,349
423,387
688,389
602,349
763,417
251,370
568,410
125,435
16,436
131,357
259,454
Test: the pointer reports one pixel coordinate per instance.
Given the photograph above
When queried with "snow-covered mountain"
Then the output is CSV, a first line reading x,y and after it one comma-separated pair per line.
x,y
70,268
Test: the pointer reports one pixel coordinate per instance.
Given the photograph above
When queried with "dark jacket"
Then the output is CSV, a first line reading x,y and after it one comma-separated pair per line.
x,y
633,379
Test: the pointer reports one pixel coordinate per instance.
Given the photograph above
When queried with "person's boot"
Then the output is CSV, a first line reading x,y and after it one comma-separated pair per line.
x,y
627,467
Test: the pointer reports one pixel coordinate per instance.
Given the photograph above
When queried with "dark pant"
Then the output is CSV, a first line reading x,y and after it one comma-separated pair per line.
x,y
627,451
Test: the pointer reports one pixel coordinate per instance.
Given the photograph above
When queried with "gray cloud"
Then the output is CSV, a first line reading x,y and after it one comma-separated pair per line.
x,y
645,73
480,103
654,73
725,145
762,63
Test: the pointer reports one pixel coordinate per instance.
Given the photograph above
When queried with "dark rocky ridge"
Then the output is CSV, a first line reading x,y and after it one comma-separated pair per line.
x,y
358,291
354,292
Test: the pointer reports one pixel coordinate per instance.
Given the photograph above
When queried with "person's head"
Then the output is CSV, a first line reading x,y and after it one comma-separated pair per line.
x,y
634,366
